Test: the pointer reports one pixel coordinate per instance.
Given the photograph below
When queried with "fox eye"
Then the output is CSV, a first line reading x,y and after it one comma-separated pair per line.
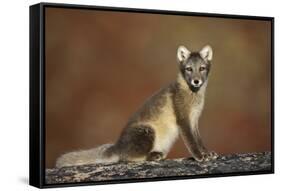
x,y
202,68
189,69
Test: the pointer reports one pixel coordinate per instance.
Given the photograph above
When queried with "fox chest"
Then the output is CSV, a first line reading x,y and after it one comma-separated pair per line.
x,y
194,113
189,110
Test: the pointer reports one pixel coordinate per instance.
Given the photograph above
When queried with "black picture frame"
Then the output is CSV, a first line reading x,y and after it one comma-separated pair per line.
x,y
37,91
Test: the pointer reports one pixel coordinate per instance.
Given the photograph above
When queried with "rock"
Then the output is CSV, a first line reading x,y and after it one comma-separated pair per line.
x,y
233,163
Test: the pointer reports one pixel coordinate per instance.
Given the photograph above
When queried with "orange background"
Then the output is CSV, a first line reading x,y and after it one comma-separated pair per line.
x,y
101,66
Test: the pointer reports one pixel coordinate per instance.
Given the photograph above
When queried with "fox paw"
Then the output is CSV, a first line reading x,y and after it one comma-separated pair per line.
x,y
207,156
213,155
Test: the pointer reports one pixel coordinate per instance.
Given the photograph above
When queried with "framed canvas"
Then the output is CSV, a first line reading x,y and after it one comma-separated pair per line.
x,y
126,95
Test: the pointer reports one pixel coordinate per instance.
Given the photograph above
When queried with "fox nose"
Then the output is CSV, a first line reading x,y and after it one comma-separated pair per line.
x,y
196,82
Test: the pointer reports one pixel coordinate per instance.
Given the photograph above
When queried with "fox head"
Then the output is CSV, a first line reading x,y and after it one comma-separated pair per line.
x,y
195,66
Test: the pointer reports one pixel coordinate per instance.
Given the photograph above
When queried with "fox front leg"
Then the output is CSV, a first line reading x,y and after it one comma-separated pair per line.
x,y
191,142
195,145
207,155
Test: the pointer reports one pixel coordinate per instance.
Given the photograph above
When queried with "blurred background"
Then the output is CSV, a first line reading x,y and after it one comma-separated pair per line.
x,y
101,66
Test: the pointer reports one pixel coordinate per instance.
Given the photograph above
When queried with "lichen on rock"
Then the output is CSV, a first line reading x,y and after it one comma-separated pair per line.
x,y
233,163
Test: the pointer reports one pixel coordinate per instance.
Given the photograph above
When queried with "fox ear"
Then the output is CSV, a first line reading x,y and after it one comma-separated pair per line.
x,y
207,53
182,54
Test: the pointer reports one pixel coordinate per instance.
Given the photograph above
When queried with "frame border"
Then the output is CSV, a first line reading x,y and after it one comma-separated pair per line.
x,y
37,139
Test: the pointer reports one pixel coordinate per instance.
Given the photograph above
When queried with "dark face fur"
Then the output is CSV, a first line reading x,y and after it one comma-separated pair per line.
x,y
195,66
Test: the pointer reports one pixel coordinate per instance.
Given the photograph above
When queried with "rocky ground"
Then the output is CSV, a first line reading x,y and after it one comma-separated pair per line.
x,y
232,163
